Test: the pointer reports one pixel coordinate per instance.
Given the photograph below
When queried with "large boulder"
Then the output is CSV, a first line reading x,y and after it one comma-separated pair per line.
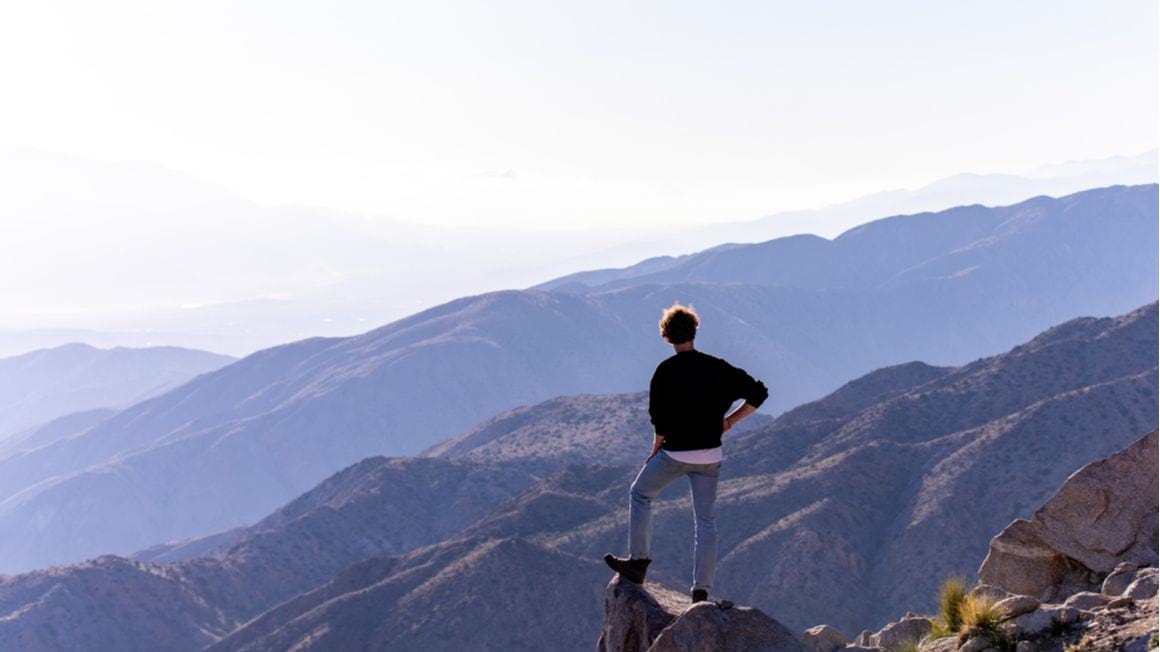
x,y
652,618
1103,515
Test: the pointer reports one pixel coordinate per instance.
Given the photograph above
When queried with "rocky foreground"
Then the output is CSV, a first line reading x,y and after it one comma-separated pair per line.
x,y
1080,575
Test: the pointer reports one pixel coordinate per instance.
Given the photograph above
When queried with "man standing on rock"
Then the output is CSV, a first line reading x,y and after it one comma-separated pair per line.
x,y
689,396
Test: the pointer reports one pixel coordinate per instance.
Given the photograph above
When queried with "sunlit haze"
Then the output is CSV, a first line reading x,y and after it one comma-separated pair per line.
x,y
600,113
234,175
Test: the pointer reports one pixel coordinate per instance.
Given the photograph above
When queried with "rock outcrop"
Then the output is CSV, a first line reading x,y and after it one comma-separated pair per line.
x,y
1104,515
1080,575
653,618
824,638
909,629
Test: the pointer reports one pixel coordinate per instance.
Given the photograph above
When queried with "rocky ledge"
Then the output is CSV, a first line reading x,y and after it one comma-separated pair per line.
x,y
1080,575
653,618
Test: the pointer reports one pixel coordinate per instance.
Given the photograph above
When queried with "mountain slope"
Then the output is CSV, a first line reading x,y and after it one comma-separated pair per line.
x,y
40,386
268,427
846,510
376,507
463,594
69,425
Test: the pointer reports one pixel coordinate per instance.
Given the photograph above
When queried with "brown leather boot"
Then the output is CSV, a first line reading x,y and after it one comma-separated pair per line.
x,y
700,595
633,570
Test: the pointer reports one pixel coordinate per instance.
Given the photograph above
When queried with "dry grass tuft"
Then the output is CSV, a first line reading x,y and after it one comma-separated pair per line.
x,y
980,617
951,595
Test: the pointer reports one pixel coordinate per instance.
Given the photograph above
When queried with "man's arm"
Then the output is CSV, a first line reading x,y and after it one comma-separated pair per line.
x,y
747,387
658,439
735,417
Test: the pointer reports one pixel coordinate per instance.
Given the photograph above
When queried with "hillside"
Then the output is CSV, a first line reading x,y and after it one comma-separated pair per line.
x,y
377,507
47,384
838,511
228,447
491,594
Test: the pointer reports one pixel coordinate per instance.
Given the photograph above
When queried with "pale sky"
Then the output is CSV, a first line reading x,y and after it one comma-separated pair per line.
x,y
567,113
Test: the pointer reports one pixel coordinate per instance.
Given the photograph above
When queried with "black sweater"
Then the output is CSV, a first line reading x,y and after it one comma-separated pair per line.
x,y
689,395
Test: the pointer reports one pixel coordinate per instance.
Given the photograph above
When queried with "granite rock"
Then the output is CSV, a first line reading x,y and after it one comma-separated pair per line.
x,y
1017,605
1119,579
1144,586
709,626
1103,515
911,628
824,638
1086,600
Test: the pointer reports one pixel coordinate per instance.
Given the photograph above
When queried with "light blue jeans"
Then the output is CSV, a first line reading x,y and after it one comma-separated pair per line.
x,y
656,475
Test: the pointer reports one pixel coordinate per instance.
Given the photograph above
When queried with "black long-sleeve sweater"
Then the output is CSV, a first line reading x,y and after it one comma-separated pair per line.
x,y
689,395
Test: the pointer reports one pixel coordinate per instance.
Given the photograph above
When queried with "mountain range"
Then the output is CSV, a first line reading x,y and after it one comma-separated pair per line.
x,y
845,510
803,314
43,385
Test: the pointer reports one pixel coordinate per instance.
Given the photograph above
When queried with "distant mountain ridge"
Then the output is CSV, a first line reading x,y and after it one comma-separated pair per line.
x,y
990,189
228,447
846,510
888,252
42,385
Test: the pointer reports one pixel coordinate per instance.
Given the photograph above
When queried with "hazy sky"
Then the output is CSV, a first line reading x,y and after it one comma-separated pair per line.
x,y
560,113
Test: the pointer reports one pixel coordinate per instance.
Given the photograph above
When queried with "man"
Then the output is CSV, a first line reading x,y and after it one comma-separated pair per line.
x,y
689,396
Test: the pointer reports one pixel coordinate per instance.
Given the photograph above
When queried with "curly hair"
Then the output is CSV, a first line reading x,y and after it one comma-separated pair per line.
x,y
679,324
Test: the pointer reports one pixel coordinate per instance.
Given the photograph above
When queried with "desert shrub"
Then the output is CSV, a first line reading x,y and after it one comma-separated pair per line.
x,y
938,629
980,617
951,595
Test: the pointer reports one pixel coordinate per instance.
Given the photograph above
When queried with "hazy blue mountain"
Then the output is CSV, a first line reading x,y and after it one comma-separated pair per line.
x,y
228,447
70,425
956,190
42,385
1022,241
